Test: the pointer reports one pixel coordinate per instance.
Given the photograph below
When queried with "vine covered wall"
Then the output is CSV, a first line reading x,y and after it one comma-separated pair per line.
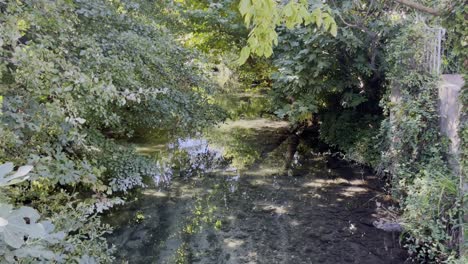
x,y
417,153
456,22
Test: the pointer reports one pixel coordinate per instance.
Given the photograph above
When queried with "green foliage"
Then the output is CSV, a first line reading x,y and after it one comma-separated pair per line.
x,y
263,16
318,72
340,81
456,24
244,105
212,27
139,217
21,235
217,31
74,74
463,196
241,147
362,145
21,223
126,170
429,217
416,153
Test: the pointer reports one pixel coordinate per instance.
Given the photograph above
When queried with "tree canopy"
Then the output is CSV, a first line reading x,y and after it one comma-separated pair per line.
x,y
78,78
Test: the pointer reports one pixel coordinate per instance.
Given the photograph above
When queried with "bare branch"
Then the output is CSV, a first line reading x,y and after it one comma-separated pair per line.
x,y
420,7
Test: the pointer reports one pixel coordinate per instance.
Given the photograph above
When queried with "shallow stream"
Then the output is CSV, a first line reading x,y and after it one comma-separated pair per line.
x,y
234,199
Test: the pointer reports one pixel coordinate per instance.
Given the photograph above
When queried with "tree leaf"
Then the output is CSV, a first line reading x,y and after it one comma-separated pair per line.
x,y
6,169
244,7
334,29
22,171
244,55
317,16
20,223
17,177
35,252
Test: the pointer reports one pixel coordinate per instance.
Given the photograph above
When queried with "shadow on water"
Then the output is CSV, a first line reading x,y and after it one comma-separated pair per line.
x,y
250,192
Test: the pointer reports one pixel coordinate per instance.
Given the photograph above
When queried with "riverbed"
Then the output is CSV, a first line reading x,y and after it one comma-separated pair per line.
x,y
234,199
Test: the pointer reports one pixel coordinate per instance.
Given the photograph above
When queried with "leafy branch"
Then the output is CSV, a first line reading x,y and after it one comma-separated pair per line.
x,y
263,16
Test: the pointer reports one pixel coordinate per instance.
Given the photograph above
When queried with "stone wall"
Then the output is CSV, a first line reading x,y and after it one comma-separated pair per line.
x,y
450,114
450,111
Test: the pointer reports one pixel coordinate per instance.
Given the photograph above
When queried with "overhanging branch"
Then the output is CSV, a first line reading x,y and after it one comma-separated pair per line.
x,y
420,7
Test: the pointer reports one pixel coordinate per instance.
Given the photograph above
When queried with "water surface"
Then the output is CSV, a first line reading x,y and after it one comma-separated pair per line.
x,y
249,192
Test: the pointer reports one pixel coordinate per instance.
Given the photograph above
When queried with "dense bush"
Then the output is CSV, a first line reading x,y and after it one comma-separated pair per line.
x,y
76,75
457,25
417,154
345,83
362,145
318,72
72,75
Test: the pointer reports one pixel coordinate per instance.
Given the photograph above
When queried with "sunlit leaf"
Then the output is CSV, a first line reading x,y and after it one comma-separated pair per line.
x,y
245,7
244,55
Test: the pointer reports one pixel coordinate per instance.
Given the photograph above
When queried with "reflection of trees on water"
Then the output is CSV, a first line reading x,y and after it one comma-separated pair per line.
x,y
239,145
193,157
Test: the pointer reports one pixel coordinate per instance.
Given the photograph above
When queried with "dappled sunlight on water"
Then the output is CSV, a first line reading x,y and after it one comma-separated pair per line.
x,y
256,124
352,191
235,199
233,243
154,193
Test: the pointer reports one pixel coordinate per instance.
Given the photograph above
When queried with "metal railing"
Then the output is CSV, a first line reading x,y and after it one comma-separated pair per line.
x,y
433,49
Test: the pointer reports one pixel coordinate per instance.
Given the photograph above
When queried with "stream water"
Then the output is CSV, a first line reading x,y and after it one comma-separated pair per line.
x,y
234,199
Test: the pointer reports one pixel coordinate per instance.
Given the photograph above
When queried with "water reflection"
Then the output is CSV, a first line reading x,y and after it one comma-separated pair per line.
x,y
194,156
183,157
249,192
204,172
